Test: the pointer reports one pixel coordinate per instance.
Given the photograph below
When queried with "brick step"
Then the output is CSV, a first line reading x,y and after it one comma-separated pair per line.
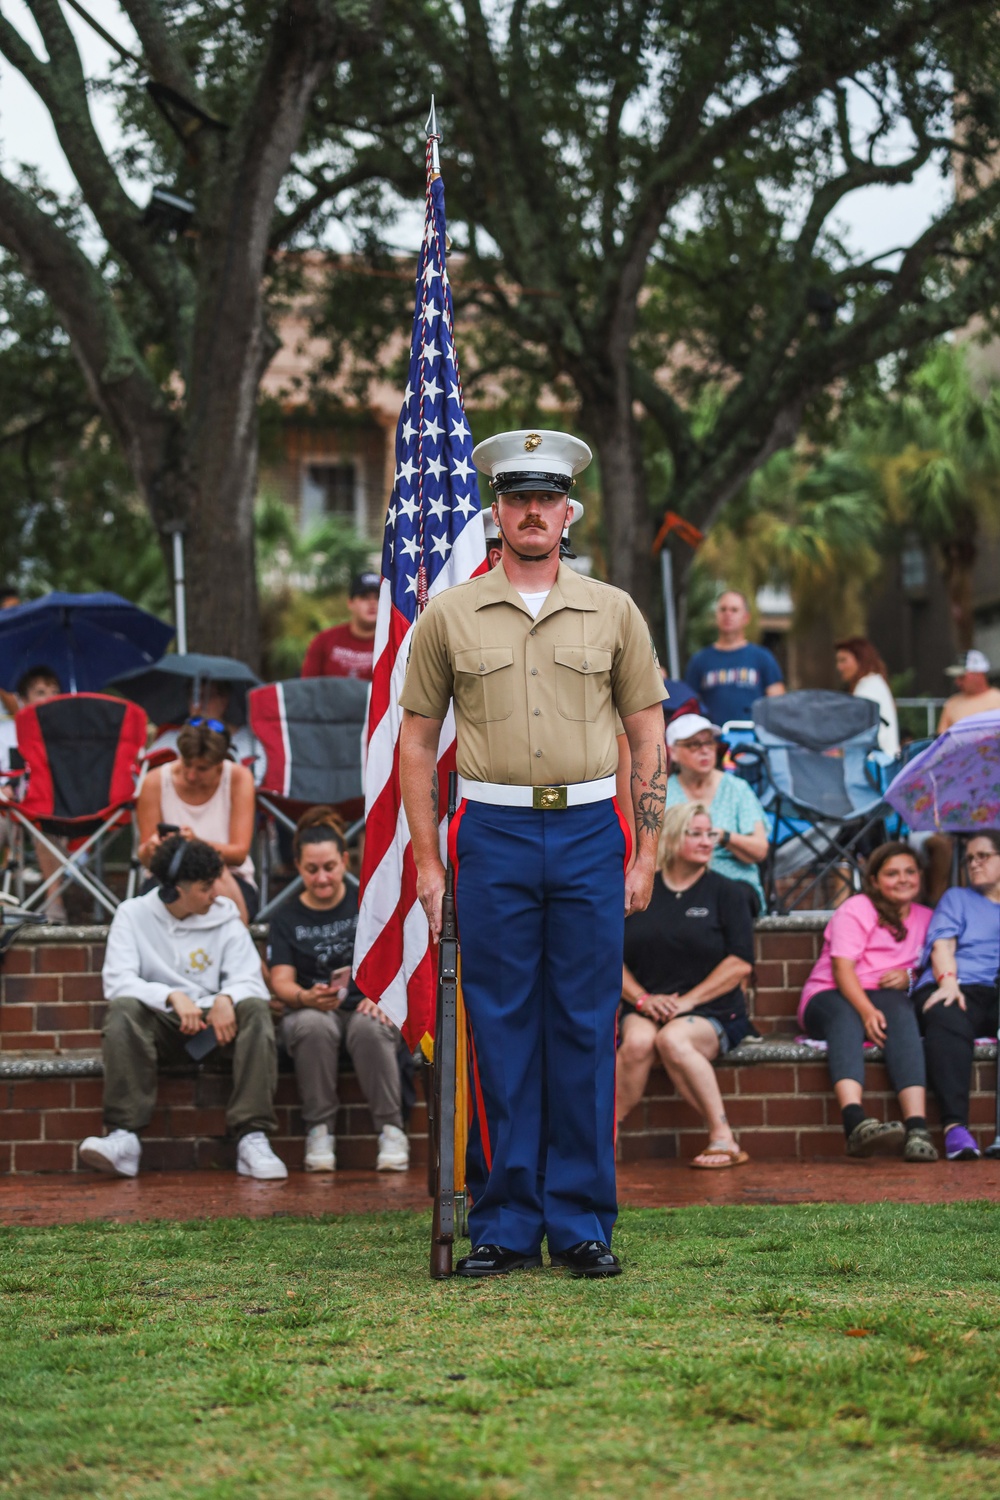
x,y
777,1096
781,1104
48,1105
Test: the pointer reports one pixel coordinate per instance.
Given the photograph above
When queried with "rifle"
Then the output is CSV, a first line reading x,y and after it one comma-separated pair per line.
x,y
443,1127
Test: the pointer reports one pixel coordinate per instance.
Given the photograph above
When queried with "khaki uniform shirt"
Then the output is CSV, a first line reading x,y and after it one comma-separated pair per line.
x,y
535,699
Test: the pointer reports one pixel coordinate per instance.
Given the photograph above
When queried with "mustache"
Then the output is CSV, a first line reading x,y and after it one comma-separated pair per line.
x,y
531,523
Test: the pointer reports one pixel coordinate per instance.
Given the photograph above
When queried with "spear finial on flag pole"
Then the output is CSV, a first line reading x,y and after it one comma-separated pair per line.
x,y
433,141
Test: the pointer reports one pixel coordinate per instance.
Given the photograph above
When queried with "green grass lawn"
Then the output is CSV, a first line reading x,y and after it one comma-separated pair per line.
x,y
771,1351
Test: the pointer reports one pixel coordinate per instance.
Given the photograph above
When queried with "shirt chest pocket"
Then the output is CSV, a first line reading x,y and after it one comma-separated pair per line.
x,y
484,683
583,681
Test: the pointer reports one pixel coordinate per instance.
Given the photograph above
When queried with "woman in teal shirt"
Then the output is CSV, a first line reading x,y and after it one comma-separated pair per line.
x,y
737,816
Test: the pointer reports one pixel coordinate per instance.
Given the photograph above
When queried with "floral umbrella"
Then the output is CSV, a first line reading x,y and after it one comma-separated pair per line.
x,y
954,785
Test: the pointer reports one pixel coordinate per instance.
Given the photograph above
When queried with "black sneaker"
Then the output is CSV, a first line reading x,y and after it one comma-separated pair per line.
x,y
495,1260
588,1258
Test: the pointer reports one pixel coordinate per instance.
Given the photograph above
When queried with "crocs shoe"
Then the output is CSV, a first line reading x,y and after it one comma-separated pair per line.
x,y
919,1146
959,1144
872,1137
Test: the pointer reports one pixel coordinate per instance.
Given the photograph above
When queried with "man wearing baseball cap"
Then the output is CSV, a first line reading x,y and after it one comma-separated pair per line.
x,y
974,696
348,650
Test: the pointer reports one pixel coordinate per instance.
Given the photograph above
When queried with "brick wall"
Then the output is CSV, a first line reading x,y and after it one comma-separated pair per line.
x,y
43,1120
51,1007
51,999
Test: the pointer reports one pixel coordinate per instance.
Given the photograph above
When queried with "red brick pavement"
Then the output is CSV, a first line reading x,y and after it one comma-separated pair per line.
x,y
77,1198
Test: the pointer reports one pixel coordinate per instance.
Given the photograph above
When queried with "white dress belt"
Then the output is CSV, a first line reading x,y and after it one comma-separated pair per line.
x,y
545,798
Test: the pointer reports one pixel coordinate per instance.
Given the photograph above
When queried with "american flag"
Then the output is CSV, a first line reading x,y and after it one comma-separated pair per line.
x,y
433,539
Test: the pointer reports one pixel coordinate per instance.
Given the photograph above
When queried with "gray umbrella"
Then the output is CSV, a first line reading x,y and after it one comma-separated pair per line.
x,y
165,690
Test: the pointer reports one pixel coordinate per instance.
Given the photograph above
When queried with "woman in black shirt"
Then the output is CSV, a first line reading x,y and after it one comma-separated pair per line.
x,y
686,956
311,950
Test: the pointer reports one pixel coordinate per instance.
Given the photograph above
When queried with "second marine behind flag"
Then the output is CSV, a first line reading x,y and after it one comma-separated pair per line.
x,y
538,660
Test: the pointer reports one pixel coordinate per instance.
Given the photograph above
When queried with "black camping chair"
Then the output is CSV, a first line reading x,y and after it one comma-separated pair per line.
x,y
310,730
820,779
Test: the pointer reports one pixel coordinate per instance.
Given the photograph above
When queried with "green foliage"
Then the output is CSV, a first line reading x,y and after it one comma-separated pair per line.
x,y
72,519
303,580
919,459
754,1353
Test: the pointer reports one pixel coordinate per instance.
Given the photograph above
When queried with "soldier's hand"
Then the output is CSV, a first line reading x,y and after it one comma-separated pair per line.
x,y
638,888
430,890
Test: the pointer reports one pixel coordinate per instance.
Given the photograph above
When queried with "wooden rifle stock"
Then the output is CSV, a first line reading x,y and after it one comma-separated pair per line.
x,y
443,1132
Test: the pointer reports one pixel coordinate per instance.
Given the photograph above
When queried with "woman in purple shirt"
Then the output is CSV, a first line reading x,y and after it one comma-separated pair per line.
x,y
956,995
859,988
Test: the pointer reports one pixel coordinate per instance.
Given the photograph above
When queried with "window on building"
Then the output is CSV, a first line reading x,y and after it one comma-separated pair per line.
x,y
334,486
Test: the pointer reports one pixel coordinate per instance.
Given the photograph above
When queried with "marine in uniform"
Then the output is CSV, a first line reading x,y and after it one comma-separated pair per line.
x,y
538,660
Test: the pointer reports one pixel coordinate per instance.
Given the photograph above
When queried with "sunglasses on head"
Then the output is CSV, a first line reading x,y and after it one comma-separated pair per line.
x,y
215,724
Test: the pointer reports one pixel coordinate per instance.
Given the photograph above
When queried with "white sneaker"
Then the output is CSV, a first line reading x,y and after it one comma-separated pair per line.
x,y
320,1150
393,1150
254,1158
116,1153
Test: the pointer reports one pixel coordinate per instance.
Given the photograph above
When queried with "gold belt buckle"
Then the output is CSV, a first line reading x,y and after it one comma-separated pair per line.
x,y
549,798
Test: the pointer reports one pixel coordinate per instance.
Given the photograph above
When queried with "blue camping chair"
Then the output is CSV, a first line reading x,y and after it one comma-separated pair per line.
x,y
820,777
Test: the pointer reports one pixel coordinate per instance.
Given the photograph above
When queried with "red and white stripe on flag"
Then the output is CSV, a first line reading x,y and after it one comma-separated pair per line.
x,y
433,540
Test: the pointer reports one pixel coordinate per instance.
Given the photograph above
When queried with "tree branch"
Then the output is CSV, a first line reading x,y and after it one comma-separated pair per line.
x,y
62,88
118,379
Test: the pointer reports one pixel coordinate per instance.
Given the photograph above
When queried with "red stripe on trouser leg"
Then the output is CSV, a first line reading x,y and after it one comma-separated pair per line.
x,y
626,830
480,1105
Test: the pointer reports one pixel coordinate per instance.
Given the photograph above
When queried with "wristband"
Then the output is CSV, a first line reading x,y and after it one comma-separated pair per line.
x,y
726,836
640,1001
947,974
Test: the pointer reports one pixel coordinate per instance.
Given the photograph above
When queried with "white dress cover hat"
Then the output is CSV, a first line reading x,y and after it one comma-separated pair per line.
x,y
531,459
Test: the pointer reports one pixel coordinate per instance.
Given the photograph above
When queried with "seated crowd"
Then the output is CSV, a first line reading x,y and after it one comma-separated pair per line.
x,y
183,976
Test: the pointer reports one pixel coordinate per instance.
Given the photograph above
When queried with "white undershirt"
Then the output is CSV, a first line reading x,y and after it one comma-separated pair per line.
x,y
535,601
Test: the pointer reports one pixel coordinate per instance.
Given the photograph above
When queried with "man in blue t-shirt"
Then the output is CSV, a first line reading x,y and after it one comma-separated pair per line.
x,y
729,676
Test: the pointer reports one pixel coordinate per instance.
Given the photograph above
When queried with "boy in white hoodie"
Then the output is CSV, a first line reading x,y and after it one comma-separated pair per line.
x,y
179,963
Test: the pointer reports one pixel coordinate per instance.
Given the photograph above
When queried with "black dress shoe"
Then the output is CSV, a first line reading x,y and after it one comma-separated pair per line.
x,y
495,1260
588,1258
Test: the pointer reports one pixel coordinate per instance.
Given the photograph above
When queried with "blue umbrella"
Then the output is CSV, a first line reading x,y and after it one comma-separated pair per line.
x,y
83,638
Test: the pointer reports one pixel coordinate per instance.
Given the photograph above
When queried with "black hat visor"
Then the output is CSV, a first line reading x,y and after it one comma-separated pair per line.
x,y
531,479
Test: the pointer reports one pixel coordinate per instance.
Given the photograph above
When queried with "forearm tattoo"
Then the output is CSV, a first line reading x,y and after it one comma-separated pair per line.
x,y
434,790
650,797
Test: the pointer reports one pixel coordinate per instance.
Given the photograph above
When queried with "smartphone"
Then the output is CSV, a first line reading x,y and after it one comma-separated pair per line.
x,y
166,829
201,1044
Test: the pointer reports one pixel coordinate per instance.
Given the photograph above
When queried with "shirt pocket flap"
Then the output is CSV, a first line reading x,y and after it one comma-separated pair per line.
x,y
586,659
484,659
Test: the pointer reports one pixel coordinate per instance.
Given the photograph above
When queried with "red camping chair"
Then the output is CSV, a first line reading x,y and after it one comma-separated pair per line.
x,y
81,755
310,731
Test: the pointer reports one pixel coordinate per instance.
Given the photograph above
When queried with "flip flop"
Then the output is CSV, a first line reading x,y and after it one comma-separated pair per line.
x,y
734,1158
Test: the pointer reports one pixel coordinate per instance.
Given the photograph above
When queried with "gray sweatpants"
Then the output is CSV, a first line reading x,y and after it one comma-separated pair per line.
x,y
314,1038
138,1039
833,1019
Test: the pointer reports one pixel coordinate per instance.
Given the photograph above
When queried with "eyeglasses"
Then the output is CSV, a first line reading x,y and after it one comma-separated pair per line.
x,y
981,859
215,724
704,744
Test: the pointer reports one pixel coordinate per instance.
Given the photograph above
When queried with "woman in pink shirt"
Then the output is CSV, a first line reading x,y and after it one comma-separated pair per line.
x,y
860,988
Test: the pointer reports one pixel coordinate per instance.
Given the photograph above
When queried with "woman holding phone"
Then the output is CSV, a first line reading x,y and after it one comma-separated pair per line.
x,y
311,951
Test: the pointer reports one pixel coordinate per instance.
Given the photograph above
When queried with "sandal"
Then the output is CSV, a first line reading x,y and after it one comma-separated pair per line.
x,y
734,1157
919,1146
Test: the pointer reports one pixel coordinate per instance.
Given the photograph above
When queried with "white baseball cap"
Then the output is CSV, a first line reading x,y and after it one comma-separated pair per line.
x,y
531,460
972,661
686,726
